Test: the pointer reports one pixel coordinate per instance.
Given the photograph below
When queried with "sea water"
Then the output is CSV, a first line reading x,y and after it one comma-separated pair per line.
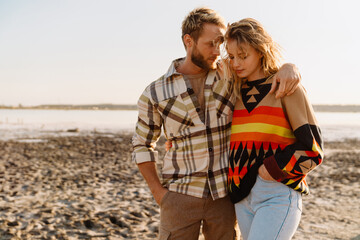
x,y
23,123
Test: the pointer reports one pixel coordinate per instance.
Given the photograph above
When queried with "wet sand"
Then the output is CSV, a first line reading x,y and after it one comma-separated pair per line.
x,y
86,187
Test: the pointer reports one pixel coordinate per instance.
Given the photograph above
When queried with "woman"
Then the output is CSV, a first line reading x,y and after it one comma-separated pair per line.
x,y
274,143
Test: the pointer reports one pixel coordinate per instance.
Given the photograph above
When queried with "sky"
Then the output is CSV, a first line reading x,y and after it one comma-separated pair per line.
x,y
108,51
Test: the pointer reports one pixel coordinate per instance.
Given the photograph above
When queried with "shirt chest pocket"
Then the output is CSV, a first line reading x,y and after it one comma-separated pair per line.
x,y
175,116
224,110
223,98
224,107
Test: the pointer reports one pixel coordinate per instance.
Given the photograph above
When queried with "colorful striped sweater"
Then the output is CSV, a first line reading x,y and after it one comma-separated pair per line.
x,y
281,133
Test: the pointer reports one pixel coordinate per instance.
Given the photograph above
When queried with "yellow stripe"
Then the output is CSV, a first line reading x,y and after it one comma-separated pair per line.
x,y
317,148
262,128
290,182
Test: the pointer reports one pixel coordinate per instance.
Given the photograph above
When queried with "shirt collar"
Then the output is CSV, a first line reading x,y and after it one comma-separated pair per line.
x,y
172,69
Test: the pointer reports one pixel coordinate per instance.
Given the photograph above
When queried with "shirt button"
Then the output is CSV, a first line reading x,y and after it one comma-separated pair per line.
x,y
210,149
189,89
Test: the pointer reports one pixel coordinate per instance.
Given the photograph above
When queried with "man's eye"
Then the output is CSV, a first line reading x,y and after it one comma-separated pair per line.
x,y
231,57
215,43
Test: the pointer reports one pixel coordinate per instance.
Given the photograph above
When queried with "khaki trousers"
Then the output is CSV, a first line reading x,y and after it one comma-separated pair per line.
x,y
181,217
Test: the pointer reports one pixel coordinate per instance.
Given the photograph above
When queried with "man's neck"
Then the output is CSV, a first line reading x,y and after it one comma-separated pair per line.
x,y
187,67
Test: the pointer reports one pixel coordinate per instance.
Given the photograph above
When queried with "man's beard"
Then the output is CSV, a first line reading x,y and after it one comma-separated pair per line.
x,y
199,60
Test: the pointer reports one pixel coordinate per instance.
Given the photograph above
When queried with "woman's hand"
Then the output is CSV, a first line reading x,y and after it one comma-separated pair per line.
x,y
168,145
289,77
264,174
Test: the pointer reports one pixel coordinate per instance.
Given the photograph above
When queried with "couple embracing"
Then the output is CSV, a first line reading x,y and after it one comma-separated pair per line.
x,y
241,133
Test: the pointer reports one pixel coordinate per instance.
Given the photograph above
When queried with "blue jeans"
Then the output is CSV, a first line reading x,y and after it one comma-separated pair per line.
x,y
271,211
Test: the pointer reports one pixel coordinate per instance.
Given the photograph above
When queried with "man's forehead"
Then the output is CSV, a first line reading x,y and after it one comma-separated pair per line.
x,y
212,32
213,28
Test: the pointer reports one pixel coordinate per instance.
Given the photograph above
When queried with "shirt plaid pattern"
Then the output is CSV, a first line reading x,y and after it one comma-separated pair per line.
x,y
197,163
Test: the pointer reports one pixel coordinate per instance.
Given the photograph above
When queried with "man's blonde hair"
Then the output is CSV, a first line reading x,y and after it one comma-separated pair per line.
x,y
249,31
195,20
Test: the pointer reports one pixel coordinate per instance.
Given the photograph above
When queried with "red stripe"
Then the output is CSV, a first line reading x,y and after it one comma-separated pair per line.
x,y
274,111
249,145
235,175
312,153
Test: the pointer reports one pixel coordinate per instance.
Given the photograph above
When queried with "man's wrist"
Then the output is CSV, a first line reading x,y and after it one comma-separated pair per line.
x,y
157,189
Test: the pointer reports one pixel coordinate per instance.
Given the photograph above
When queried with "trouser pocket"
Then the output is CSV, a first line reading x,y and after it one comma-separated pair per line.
x,y
299,201
164,198
164,234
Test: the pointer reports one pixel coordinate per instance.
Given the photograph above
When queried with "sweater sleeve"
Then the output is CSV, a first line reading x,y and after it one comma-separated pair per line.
x,y
291,164
148,130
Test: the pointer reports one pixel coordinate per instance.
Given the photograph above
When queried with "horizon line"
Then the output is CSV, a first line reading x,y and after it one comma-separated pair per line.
x,y
111,106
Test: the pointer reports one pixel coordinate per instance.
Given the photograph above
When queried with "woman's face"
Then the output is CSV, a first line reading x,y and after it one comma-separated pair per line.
x,y
245,61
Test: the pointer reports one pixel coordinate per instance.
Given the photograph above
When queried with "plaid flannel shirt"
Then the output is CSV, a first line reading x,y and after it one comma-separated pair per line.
x,y
197,162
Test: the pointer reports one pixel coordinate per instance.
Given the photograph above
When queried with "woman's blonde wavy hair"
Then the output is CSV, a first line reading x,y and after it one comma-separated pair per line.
x,y
250,31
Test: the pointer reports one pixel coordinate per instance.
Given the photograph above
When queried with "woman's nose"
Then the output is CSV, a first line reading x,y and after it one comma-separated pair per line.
x,y
236,63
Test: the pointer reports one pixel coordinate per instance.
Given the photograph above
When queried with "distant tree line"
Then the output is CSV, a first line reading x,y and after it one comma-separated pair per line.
x,y
336,108
75,107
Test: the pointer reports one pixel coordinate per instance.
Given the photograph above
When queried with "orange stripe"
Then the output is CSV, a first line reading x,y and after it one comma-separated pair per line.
x,y
274,111
263,137
273,120
291,164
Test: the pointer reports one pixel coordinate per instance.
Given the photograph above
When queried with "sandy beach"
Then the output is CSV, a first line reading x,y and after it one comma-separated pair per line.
x,y
86,187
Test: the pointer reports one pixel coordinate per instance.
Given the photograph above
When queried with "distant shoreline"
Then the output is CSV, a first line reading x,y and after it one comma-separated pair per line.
x,y
317,107
336,108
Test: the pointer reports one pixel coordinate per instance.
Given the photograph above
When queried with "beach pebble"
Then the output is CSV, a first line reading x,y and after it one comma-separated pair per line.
x,y
87,187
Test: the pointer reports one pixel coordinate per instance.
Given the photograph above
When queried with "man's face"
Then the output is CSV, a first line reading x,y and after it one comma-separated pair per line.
x,y
206,50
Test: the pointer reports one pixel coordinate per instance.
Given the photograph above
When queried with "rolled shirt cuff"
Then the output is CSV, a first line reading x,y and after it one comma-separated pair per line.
x,y
142,157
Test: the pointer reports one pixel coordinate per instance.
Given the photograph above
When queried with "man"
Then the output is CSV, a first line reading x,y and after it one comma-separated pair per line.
x,y
194,106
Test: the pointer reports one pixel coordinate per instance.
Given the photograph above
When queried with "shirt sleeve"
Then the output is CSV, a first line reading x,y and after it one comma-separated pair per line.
x,y
291,164
148,130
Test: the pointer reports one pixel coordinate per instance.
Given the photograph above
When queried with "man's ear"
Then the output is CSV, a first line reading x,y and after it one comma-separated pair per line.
x,y
188,41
